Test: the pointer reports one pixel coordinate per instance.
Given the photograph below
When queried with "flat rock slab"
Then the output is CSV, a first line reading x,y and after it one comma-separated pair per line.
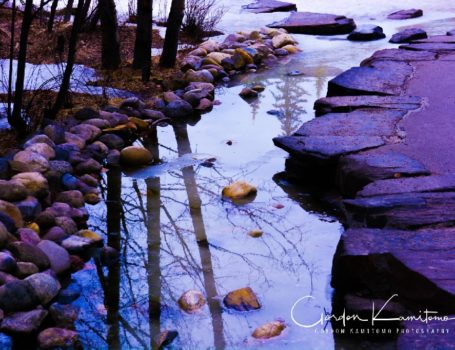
x,y
408,35
437,39
267,6
404,210
378,122
406,14
340,104
316,24
382,78
433,183
357,170
324,147
399,55
416,265
432,47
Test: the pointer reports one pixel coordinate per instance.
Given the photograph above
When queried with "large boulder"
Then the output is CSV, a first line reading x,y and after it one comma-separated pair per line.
x,y
25,161
58,256
316,24
135,156
367,32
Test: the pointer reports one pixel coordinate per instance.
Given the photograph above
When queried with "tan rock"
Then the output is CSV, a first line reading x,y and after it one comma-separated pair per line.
x,y
135,156
243,299
269,330
191,301
239,190
281,40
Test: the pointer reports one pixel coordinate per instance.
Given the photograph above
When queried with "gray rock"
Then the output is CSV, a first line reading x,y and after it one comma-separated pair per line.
x,y
64,315
67,224
97,150
70,293
74,198
43,149
366,33
76,244
23,322
408,35
315,24
56,133
17,295
45,286
86,113
4,234
25,269
29,236
28,161
40,138
29,253
7,262
60,167
267,6
55,234
90,166
29,207
406,14
12,191
35,183
112,141
58,256
54,337
178,109
86,131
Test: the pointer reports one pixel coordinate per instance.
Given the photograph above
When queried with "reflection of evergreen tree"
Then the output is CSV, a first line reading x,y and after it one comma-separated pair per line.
x,y
289,103
321,79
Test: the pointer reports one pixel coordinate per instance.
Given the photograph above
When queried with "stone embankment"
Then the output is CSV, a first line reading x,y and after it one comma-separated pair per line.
x,y
384,139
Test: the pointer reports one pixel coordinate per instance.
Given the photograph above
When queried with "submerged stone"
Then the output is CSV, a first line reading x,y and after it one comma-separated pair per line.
x,y
269,330
243,299
191,301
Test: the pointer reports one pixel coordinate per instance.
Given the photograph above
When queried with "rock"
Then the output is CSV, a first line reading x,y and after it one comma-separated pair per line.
x,y
164,339
55,337
204,105
40,138
267,6
92,198
7,262
56,133
8,222
6,278
243,299
86,131
384,78
210,88
55,234
281,40
28,236
202,75
86,113
366,33
178,109
76,244
29,253
256,233
67,224
94,237
77,263
218,57
108,255
198,52
28,161
315,24
170,96
29,208
4,234
73,197
135,156
408,35
17,296
113,158
191,62
195,96
25,269
35,183
89,180
12,212
98,150
5,168
60,167
69,294
152,114
23,322
451,32
99,123
406,14
280,52
112,141
12,191
269,330
290,48
45,286
43,149
439,48
191,301
60,209
58,257
76,140
90,166
63,315
239,190
210,46
248,93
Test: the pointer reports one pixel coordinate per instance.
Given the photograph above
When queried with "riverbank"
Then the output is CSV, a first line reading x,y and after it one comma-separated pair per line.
x,y
383,139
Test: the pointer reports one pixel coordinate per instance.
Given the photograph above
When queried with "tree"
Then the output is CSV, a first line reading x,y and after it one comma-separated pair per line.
x,y
15,119
171,40
110,54
65,85
50,22
68,10
143,43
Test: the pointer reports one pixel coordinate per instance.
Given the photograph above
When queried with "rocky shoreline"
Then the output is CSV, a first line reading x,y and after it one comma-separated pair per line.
x,y
382,140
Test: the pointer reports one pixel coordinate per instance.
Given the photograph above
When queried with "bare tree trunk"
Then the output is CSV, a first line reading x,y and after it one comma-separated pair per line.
x,y
16,120
50,22
68,10
110,54
11,59
171,40
143,44
64,87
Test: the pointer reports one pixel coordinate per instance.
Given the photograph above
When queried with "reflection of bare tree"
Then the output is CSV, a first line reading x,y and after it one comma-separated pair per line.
x,y
184,147
289,101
